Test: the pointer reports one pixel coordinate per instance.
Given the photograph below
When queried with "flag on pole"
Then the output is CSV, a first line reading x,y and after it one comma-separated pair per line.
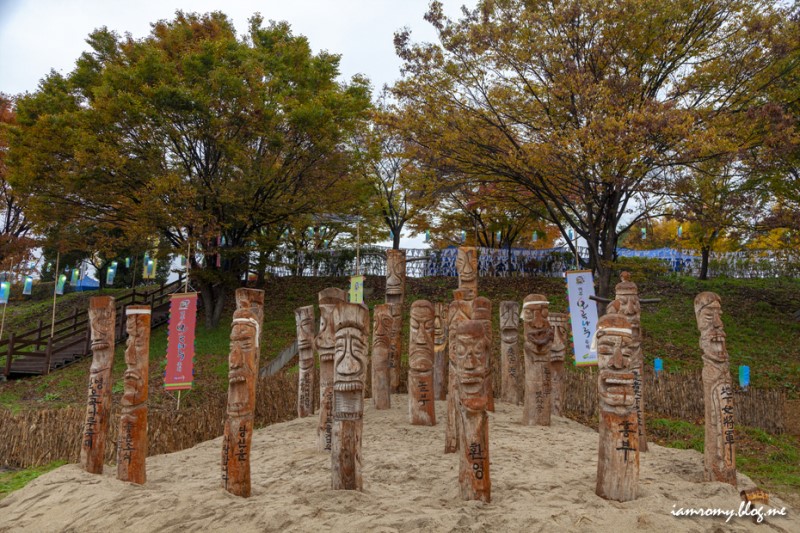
x,y
179,373
27,289
62,280
5,290
76,274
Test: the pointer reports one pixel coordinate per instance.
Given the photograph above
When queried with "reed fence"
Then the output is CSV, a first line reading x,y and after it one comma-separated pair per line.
x,y
680,395
35,438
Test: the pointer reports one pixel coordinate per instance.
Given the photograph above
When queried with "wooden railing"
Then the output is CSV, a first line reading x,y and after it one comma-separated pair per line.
x,y
37,352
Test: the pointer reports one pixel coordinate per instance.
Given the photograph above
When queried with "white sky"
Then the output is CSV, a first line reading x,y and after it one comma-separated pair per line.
x,y
39,35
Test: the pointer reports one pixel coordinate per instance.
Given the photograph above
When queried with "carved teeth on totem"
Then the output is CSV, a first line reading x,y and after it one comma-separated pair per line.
x,y
345,386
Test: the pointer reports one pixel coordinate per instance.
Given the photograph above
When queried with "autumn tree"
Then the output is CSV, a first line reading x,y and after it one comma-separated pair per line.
x,y
15,229
587,104
205,138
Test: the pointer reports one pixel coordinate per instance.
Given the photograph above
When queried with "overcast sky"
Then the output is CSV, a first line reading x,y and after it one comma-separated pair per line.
x,y
39,35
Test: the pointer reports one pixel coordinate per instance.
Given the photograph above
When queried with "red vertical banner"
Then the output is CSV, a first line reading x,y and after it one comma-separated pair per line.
x,y
180,343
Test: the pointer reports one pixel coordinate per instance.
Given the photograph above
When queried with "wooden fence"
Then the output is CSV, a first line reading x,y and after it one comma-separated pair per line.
x,y
37,352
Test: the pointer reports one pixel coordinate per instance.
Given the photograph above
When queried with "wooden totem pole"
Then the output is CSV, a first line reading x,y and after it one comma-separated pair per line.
x,y
242,375
440,361
458,311
328,300
467,268
304,318
421,405
102,318
482,312
558,352
509,352
395,295
720,444
618,456
538,337
381,340
626,303
351,322
472,363
132,443
252,299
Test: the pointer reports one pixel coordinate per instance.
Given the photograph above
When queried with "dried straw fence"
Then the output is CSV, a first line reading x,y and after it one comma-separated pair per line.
x,y
39,437
680,395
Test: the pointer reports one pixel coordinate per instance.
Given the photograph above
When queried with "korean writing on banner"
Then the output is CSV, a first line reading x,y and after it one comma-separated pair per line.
x,y
583,315
356,289
179,373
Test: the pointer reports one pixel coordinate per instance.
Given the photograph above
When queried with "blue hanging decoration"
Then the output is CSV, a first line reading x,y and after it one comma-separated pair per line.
x,y
744,376
570,234
5,290
680,231
644,234
658,366
127,262
391,235
535,236
499,235
427,235
463,236
62,280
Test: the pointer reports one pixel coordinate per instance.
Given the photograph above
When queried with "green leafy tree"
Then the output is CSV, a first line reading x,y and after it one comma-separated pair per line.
x,y
194,134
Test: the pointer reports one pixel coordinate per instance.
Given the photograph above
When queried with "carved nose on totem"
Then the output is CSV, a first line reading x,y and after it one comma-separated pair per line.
x,y
617,361
348,365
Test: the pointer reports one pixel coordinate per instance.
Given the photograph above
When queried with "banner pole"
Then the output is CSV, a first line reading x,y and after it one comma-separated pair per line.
x,y
55,285
179,400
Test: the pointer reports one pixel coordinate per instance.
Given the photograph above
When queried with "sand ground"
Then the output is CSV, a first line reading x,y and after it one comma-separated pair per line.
x,y
543,479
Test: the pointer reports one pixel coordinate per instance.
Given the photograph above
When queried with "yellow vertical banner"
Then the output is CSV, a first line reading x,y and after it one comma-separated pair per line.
x,y
356,289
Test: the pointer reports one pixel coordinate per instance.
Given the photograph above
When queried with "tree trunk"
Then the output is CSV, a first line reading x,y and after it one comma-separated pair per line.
x,y
213,302
396,237
706,253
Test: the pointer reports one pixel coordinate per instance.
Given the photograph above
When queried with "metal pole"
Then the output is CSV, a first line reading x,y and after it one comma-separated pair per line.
x,y
358,248
186,283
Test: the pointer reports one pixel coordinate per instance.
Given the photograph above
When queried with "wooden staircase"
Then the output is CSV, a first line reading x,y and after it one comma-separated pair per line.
x,y
34,352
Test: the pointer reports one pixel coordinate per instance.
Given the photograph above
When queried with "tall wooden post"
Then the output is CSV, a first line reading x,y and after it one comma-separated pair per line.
x,y
509,352
242,374
304,319
95,427
395,295
482,312
538,337
558,352
350,366
458,311
472,352
421,405
618,451
328,300
467,268
381,340
440,361
132,443
720,444
626,303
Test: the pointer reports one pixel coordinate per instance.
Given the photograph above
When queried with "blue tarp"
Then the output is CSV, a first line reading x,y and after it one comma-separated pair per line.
x,y
87,284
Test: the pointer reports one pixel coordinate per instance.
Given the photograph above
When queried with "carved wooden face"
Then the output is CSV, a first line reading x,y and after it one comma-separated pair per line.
x,y
325,337
467,264
630,307
537,327
101,331
304,318
395,272
509,322
420,351
242,368
472,351
135,378
458,311
712,334
438,327
350,359
383,328
615,382
558,348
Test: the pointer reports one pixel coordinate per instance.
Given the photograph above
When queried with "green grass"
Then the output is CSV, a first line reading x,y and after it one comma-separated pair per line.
x,y
15,480
677,433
